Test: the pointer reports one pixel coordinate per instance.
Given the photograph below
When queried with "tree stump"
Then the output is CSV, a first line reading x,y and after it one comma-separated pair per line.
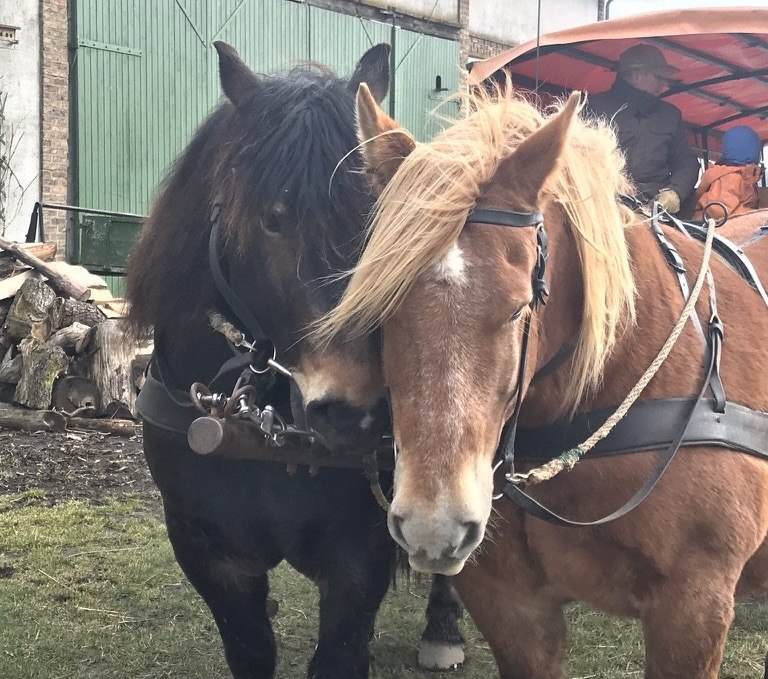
x,y
110,366
31,304
41,365
73,394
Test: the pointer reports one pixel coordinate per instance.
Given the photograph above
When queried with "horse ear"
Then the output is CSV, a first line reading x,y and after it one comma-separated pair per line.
x,y
535,162
373,70
237,80
384,142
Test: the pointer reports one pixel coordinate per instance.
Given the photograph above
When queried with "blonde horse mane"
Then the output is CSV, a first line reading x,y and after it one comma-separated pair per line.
x,y
422,211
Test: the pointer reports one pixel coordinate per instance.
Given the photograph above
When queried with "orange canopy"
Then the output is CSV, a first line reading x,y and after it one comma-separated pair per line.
x,y
721,54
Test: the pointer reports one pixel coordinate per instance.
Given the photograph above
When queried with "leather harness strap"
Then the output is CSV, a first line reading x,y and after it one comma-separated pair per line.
x,y
535,508
733,255
651,425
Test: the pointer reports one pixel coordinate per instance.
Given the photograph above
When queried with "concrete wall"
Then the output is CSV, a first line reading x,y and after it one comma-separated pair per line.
x,y
20,79
511,23
445,11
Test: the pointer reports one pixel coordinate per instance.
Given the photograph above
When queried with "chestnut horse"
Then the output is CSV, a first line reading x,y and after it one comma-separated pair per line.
x,y
267,161
745,227
447,271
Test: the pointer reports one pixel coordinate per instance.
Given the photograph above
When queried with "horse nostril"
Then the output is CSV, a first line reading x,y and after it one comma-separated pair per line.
x,y
396,529
471,537
336,414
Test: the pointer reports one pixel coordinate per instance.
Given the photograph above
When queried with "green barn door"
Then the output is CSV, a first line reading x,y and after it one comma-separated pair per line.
x,y
146,76
423,63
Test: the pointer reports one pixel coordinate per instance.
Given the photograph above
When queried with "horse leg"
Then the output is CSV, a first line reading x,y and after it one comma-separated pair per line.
x,y
350,595
526,631
237,599
685,627
442,645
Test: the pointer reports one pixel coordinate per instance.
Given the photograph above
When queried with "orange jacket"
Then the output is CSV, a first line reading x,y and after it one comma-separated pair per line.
x,y
733,186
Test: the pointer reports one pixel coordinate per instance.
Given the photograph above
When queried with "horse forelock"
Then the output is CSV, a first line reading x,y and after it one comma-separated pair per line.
x,y
423,209
283,144
287,149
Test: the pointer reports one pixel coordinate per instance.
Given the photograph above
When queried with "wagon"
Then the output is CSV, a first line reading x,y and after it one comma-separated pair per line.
x,y
721,55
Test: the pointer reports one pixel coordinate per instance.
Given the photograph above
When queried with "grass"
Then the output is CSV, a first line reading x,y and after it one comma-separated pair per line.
x,y
94,593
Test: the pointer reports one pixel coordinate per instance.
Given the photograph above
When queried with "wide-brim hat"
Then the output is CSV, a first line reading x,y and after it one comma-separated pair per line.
x,y
645,58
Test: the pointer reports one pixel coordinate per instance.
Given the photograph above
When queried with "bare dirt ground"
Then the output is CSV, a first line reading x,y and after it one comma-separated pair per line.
x,y
73,465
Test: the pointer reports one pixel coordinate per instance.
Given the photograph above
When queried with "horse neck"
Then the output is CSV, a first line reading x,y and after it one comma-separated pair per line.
x,y
659,303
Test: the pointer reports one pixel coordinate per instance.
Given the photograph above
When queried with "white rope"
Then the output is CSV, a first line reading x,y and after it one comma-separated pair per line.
x,y
567,460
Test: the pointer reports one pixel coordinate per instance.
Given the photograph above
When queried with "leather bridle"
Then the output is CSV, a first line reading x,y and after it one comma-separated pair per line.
x,y
534,219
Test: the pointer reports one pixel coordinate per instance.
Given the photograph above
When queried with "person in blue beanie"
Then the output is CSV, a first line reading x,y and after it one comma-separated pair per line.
x,y
741,146
732,182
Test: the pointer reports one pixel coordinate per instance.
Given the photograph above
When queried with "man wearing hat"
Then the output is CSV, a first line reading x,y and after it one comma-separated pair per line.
x,y
661,163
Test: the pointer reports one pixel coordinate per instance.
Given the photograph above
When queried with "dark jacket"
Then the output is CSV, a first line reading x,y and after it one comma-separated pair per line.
x,y
651,135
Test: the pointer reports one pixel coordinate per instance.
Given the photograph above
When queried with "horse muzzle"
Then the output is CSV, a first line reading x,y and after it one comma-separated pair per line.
x,y
343,427
434,546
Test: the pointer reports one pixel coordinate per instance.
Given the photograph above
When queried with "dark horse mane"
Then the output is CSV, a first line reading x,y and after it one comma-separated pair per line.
x,y
284,140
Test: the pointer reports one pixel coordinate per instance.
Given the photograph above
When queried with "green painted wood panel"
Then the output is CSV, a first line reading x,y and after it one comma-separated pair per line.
x,y
136,113
419,59
339,40
146,76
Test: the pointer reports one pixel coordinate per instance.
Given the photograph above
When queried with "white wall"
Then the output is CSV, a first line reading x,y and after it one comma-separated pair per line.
x,y
514,21
20,78
437,10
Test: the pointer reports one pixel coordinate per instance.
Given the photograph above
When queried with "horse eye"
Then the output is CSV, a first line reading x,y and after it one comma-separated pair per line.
x,y
272,223
517,314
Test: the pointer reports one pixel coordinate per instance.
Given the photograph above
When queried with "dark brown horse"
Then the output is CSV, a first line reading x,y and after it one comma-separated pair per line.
x,y
453,269
275,162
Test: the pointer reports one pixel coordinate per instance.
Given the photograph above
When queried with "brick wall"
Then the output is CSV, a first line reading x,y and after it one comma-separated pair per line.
x,y
480,48
464,53
54,125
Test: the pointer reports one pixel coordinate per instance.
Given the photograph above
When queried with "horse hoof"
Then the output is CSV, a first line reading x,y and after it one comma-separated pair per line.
x,y
272,607
435,656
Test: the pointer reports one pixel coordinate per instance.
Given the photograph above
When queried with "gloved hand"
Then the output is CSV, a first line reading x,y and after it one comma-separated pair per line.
x,y
669,200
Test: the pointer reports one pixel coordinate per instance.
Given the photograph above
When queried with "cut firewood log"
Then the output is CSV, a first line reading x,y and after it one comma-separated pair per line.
x,y
45,252
74,394
73,339
10,372
110,366
114,427
65,285
41,365
15,417
5,305
65,312
11,285
117,410
31,304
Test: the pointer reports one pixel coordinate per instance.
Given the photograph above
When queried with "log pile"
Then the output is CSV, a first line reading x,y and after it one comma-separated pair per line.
x,y
64,359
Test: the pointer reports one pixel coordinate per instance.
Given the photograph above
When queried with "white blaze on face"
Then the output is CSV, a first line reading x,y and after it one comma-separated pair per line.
x,y
451,268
